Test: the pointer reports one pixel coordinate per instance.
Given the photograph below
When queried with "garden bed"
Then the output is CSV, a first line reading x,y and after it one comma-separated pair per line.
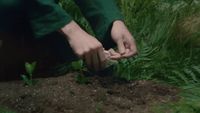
x,y
100,95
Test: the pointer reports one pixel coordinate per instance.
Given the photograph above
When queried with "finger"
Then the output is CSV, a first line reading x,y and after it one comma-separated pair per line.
x,y
95,61
127,54
114,55
107,54
127,51
121,47
113,52
88,60
102,58
131,49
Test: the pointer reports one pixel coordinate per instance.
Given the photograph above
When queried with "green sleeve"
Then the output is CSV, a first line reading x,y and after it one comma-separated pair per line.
x,y
46,16
101,14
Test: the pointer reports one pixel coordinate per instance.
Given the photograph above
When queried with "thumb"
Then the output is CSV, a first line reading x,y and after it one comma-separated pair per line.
x,y
121,47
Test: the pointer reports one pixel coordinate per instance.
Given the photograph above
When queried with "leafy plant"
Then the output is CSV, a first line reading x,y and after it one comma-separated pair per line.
x,y
28,78
79,67
99,107
189,103
82,79
6,110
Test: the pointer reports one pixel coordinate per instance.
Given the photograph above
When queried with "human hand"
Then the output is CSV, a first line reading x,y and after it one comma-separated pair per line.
x,y
125,42
85,46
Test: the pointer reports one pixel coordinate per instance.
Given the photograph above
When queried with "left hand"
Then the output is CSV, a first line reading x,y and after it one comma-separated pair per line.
x,y
125,42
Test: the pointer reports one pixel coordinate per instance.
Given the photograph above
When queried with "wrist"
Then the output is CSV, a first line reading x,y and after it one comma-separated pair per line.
x,y
118,22
70,29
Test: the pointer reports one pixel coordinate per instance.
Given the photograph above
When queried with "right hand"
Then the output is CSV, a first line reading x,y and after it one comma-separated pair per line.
x,y
85,46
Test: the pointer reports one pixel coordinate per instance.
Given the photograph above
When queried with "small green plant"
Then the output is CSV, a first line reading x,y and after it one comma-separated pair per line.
x,y
79,67
6,110
99,107
28,78
82,79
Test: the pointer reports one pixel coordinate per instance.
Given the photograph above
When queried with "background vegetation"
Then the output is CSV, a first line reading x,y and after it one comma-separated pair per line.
x,y
168,39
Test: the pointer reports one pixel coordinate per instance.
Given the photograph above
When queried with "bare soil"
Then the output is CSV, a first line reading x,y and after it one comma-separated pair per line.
x,y
101,95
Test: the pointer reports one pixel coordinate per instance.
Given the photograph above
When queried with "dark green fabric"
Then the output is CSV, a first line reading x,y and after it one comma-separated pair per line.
x,y
11,14
101,14
46,16
35,23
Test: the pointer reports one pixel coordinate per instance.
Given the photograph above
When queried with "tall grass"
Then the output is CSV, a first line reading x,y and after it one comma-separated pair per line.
x,y
162,55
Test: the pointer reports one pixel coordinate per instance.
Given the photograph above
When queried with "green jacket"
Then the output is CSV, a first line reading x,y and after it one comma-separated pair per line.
x,y
43,17
33,26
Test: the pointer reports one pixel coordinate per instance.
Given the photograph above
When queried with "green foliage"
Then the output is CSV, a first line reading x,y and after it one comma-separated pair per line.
x,y
80,68
30,68
77,65
161,55
154,23
6,110
99,107
82,79
189,103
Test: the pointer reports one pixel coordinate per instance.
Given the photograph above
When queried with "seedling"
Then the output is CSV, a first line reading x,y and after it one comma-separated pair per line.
x,y
28,78
99,107
81,79
80,68
77,66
